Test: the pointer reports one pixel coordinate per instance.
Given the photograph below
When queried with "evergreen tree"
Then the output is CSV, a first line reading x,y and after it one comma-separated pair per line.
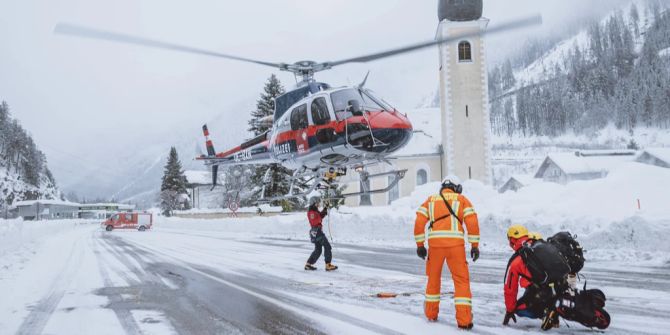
x,y
173,186
508,80
607,81
278,182
635,18
265,106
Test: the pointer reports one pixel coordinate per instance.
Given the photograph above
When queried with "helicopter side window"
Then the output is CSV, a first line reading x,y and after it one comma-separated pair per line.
x,y
299,117
319,109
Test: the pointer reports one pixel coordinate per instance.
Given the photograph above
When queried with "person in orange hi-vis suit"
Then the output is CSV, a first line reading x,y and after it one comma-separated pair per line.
x,y
446,240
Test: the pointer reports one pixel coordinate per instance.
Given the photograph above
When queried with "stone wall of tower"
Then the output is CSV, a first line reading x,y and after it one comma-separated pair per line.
x,y
466,128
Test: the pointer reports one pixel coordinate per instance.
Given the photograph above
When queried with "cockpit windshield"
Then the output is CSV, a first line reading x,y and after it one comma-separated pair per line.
x,y
365,98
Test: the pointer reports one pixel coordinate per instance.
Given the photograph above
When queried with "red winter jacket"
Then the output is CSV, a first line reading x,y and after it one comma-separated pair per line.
x,y
315,217
517,274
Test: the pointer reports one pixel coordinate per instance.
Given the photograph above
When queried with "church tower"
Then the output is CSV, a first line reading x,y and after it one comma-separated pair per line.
x,y
466,125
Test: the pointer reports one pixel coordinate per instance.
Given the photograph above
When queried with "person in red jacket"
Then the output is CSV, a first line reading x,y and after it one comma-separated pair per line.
x,y
315,217
533,303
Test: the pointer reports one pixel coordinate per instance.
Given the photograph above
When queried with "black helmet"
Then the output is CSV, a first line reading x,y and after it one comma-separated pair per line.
x,y
453,183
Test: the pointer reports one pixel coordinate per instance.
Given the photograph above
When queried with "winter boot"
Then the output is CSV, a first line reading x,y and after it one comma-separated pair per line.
x,y
468,327
550,320
310,267
330,267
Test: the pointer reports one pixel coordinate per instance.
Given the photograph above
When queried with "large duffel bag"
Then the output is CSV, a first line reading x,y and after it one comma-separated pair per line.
x,y
586,307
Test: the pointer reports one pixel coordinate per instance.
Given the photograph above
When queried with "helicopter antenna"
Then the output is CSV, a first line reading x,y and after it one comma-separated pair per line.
x,y
364,80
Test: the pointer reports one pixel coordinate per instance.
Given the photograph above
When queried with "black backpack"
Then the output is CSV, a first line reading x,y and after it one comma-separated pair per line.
x,y
545,263
586,307
570,249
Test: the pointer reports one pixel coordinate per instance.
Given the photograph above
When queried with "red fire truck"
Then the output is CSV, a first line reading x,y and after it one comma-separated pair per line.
x,y
129,220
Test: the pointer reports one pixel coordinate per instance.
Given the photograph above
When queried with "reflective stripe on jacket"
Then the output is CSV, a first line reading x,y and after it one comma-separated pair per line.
x,y
446,230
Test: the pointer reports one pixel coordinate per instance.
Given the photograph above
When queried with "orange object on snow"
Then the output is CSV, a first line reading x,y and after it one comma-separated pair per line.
x,y
386,295
446,239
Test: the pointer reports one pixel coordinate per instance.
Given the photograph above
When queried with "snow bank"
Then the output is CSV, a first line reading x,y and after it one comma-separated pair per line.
x,y
602,212
265,208
18,237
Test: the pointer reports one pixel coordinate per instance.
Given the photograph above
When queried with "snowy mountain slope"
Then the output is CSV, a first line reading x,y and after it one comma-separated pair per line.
x,y
554,60
24,172
134,173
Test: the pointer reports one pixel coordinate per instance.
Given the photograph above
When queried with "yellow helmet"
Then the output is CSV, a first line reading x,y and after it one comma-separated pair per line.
x,y
535,236
517,231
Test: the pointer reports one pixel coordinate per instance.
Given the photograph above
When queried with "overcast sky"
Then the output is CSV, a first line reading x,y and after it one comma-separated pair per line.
x,y
86,101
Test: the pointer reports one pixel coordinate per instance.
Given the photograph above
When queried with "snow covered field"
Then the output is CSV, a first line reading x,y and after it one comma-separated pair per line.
x,y
192,278
245,275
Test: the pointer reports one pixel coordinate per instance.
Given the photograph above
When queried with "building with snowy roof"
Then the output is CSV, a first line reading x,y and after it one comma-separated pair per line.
x,y
516,182
655,156
102,210
46,209
200,192
563,168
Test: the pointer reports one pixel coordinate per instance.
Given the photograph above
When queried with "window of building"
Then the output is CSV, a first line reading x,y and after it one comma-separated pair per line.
x,y
421,177
467,111
394,192
299,117
319,109
469,172
464,52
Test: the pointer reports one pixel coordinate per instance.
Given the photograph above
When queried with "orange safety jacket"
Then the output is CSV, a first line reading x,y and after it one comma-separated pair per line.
x,y
446,230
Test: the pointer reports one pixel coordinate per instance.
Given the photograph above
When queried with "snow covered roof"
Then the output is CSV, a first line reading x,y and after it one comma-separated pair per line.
x,y
664,53
662,154
427,135
44,202
524,179
108,204
578,163
198,177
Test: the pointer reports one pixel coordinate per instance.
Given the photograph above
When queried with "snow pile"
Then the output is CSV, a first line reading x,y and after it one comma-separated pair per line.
x,y
18,237
265,208
602,212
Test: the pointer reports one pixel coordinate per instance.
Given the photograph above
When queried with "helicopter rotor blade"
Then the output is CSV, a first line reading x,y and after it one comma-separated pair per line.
x,y
529,21
86,32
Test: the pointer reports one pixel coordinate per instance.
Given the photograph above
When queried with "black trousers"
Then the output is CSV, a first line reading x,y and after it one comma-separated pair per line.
x,y
320,242
537,300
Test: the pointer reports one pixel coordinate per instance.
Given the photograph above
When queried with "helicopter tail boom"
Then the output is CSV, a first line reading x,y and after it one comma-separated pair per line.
x,y
253,151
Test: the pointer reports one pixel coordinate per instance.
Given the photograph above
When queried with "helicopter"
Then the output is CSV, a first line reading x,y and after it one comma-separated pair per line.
x,y
318,131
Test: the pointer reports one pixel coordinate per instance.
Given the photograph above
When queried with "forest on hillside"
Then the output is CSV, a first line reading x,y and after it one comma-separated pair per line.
x,y
621,77
24,174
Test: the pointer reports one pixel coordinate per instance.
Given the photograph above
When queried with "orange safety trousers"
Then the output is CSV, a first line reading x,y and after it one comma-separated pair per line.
x,y
458,266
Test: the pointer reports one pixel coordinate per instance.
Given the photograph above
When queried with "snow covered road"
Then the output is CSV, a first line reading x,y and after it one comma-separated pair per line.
x,y
186,281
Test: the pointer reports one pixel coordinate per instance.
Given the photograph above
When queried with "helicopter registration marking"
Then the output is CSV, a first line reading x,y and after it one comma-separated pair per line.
x,y
281,149
243,155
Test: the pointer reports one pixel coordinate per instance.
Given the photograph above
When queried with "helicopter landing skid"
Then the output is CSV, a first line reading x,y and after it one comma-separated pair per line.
x,y
397,175
327,191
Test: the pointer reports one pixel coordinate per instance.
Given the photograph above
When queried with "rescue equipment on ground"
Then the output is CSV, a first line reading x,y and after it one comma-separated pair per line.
x,y
584,306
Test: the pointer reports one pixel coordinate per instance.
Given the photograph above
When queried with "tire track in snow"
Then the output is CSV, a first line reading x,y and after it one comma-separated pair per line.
x,y
276,298
40,313
152,292
124,316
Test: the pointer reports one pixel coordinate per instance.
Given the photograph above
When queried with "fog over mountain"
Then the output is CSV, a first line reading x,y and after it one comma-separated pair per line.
x,y
106,114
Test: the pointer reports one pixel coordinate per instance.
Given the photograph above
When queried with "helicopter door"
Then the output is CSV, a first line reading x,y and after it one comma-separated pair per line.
x,y
321,118
299,124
